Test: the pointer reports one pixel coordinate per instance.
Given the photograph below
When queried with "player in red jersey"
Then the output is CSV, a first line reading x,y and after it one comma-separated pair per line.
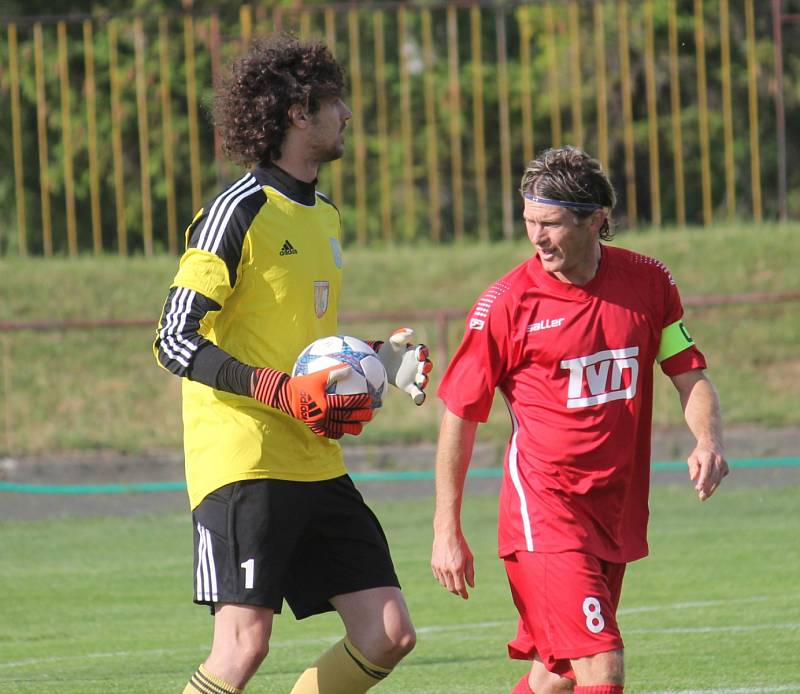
x,y
570,338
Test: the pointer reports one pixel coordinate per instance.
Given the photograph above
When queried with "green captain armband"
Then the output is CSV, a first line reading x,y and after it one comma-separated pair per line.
x,y
674,338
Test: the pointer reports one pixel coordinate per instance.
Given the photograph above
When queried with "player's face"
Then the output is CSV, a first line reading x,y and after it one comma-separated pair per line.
x,y
326,136
567,247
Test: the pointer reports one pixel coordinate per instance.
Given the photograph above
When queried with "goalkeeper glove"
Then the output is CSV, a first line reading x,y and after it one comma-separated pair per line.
x,y
304,398
407,365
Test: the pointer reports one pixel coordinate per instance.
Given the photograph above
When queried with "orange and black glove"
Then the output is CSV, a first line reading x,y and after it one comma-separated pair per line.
x,y
305,398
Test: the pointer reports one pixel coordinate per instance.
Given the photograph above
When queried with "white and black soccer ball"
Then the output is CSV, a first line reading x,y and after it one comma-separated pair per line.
x,y
367,374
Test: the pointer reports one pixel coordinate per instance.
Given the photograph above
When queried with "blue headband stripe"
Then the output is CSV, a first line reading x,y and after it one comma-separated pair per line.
x,y
563,203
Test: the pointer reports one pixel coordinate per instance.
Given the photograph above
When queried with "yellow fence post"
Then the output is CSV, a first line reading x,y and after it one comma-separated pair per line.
x,y
409,207
553,88
167,137
336,165
652,116
477,123
752,92
675,111
384,178
505,126
600,79
191,109
16,135
727,108
246,22
702,110
454,104
66,139
575,74
213,41
90,95
41,122
305,25
116,138
431,139
144,136
523,17
358,127
627,110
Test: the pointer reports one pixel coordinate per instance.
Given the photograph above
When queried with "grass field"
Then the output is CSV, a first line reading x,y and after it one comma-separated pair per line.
x,y
101,606
101,389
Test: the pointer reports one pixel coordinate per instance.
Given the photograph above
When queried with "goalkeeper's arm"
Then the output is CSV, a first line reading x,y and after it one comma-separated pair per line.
x,y
181,349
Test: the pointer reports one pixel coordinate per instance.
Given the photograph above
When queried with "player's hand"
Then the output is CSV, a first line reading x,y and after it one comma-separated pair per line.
x,y
305,398
452,563
707,467
407,364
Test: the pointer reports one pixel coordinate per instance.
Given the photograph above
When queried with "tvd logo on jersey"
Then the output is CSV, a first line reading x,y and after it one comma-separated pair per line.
x,y
321,290
602,377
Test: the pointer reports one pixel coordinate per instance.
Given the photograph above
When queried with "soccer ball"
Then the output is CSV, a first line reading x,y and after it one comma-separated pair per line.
x,y
367,374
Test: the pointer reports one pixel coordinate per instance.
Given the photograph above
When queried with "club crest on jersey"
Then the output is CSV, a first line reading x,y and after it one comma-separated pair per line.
x,y
602,377
321,291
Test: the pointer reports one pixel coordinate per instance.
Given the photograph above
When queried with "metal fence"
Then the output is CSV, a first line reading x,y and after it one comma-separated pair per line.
x,y
108,150
45,408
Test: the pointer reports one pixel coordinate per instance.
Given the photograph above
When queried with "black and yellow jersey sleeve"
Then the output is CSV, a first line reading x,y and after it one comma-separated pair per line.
x,y
206,277
259,280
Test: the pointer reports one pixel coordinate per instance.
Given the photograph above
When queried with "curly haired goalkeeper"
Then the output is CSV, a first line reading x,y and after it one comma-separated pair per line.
x,y
275,515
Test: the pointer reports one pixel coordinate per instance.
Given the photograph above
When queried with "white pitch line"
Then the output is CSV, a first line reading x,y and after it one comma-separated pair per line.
x,y
446,628
431,630
792,626
691,605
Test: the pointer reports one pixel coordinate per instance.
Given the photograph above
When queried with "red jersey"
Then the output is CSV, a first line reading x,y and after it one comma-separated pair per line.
x,y
575,365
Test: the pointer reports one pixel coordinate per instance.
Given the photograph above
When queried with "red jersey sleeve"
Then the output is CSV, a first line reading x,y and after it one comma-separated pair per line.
x,y
468,385
683,353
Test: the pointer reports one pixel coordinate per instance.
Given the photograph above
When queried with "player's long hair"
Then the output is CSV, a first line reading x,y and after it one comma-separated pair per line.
x,y
251,105
571,175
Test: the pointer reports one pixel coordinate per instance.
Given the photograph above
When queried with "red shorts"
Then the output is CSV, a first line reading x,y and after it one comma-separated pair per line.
x,y
567,604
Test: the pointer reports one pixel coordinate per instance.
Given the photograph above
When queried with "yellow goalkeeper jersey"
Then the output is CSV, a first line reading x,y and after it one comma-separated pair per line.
x,y
260,277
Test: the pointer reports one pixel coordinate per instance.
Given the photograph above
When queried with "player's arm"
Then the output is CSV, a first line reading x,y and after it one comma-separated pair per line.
x,y
700,402
407,364
183,350
451,559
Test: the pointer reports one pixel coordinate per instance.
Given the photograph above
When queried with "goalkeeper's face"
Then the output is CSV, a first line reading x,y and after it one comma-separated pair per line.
x,y
326,135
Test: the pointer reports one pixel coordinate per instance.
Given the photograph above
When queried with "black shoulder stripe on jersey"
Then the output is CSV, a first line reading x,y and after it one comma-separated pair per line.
x,y
325,198
223,224
178,337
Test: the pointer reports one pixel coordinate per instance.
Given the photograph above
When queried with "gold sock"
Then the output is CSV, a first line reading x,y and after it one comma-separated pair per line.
x,y
203,682
341,670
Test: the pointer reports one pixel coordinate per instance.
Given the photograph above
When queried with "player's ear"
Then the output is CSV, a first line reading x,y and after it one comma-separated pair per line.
x,y
298,116
597,219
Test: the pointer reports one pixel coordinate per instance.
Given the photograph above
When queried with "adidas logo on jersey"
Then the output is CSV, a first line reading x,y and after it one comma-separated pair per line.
x,y
288,249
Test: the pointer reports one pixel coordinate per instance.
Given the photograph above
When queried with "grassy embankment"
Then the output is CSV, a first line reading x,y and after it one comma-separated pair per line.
x,y
101,389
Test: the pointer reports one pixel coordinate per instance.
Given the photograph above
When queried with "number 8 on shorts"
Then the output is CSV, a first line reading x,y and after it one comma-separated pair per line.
x,y
594,619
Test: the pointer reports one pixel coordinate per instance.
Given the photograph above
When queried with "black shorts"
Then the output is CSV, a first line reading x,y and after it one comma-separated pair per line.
x,y
257,542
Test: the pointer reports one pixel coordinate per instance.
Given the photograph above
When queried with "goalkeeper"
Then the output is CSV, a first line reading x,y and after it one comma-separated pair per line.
x,y
275,515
